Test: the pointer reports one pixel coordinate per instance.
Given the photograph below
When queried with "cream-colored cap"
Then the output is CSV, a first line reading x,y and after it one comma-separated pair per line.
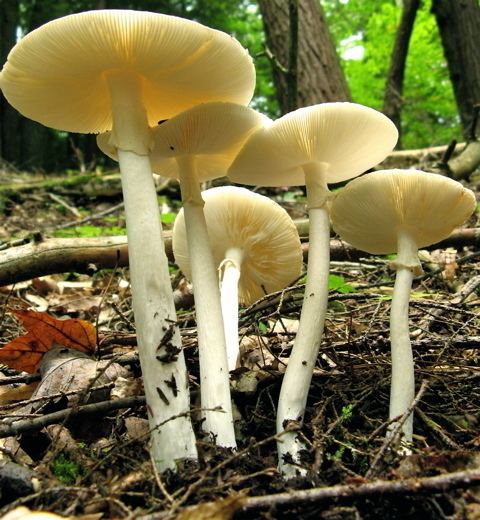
x,y
212,132
346,137
370,211
58,74
263,230
23,513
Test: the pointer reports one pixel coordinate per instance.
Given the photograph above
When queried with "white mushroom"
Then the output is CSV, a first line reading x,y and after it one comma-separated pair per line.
x,y
124,71
196,145
314,146
400,211
255,244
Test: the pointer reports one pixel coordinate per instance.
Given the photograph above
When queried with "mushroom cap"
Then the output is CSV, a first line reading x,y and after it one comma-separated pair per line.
x,y
370,211
346,137
58,74
213,132
238,218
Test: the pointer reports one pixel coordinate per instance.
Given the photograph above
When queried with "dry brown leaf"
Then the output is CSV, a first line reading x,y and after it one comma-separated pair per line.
x,y
25,352
9,394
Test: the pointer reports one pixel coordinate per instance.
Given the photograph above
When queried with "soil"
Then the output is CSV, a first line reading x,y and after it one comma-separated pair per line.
x,y
99,467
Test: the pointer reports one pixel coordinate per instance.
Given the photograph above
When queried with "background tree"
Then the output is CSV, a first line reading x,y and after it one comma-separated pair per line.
x,y
459,25
9,117
364,35
364,32
320,77
393,98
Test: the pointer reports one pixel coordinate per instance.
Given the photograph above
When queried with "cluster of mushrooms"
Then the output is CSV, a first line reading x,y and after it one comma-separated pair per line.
x,y
168,96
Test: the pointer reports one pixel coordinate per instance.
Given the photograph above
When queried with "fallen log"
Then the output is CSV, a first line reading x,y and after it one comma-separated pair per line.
x,y
459,163
88,255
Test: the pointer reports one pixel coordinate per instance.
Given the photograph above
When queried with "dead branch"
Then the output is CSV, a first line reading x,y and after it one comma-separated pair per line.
x,y
408,158
411,486
87,255
461,166
36,423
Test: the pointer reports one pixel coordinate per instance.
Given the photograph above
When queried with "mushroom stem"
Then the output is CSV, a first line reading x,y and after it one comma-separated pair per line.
x,y
402,389
214,379
229,278
298,376
159,343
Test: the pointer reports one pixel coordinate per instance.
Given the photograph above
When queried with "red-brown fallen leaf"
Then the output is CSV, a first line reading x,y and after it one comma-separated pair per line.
x,y
43,332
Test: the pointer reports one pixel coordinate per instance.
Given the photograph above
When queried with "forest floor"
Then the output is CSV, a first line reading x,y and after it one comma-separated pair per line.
x,y
97,466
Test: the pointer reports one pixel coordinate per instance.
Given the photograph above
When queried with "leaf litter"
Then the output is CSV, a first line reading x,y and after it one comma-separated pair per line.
x,y
346,413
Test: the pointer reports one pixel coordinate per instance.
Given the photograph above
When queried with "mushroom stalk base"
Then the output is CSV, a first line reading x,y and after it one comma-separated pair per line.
x,y
296,382
159,343
214,377
402,389
229,278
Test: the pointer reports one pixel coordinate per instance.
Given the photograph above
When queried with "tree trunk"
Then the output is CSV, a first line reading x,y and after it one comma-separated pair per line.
x,y
320,77
9,117
39,147
393,100
459,25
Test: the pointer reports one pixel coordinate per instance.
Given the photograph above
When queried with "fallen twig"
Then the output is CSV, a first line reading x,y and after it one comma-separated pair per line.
x,y
459,479
393,436
24,425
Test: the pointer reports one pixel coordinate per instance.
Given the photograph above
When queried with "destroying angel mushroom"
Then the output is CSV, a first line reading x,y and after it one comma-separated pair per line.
x,y
194,146
124,71
255,245
400,211
312,146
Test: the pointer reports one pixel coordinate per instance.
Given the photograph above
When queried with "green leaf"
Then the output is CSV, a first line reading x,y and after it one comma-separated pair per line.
x,y
262,327
337,283
168,218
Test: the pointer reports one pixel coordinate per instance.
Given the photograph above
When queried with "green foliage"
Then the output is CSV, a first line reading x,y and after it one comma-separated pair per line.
x,y
263,327
337,283
347,413
89,231
168,218
66,470
429,114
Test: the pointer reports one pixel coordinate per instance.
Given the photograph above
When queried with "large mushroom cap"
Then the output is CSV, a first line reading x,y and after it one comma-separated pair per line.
x,y
346,137
58,74
370,211
239,218
212,132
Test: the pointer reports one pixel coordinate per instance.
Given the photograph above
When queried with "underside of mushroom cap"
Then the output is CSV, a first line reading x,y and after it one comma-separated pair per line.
x,y
369,212
212,132
58,74
345,137
239,218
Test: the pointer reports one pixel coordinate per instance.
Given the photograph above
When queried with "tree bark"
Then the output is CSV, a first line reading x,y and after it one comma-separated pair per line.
x,y
393,100
9,117
320,77
459,25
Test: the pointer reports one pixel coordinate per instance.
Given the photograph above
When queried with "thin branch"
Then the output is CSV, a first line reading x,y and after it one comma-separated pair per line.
x,y
392,439
411,486
24,425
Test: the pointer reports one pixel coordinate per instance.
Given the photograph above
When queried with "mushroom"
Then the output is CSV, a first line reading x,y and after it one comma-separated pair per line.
x,y
255,244
124,71
197,145
314,146
400,211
